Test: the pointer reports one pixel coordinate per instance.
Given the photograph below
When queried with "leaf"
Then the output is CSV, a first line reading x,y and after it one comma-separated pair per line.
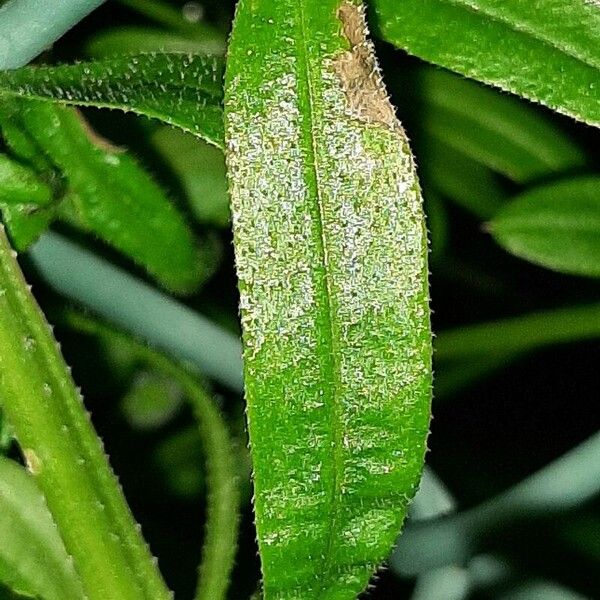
x,y
545,51
331,258
183,90
516,335
470,184
134,39
6,434
111,195
497,130
555,225
33,559
200,169
20,185
151,401
8,594
24,200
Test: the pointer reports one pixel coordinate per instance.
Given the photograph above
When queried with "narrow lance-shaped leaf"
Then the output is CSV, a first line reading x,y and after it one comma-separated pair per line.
x,y
33,559
546,50
498,130
110,194
184,90
331,258
200,168
555,225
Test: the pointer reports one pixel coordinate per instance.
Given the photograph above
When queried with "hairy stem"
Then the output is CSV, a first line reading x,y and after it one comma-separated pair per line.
x,y
223,486
63,452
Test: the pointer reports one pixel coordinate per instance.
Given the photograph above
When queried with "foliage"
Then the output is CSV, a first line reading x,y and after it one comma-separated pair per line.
x,y
291,146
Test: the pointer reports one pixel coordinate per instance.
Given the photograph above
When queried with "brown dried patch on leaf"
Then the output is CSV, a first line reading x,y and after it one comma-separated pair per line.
x,y
358,71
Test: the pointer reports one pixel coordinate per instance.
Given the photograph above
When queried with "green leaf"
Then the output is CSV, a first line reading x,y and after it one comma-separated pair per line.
x,y
497,130
331,258
111,195
33,559
6,434
546,51
555,225
470,184
151,402
183,90
21,185
519,334
130,39
8,594
24,200
200,169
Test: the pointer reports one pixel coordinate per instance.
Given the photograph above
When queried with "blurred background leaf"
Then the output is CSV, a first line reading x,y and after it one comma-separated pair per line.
x,y
33,559
556,225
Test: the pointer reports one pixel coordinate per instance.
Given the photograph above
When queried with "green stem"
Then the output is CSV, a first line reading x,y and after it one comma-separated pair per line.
x,y
27,27
223,485
63,452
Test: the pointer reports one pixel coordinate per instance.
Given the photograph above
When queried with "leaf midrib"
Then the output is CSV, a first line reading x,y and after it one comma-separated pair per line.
x,y
332,363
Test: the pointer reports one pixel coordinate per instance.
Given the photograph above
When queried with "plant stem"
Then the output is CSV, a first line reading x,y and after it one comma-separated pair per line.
x,y
223,486
63,452
27,27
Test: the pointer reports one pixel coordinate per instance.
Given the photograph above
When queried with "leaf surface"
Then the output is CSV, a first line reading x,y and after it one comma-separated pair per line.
x,y
496,130
134,39
111,195
33,559
184,90
331,259
24,200
200,169
555,225
544,50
